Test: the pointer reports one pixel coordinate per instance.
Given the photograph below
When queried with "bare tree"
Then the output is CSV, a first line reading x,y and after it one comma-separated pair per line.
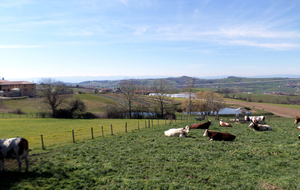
x,y
55,92
161,100
190,85
128,89
213,101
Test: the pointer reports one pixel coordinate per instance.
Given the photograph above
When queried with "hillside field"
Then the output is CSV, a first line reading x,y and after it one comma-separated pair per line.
x,y
146,159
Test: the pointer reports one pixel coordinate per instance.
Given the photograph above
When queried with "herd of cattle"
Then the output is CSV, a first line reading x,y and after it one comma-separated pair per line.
x,y
257,123
17,148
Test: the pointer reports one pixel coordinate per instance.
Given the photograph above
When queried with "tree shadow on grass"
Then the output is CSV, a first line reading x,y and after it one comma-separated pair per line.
x,y
8,179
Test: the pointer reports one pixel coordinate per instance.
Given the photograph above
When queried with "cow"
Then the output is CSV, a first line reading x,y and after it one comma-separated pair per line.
x,y
225,124
179,132
16,148
298,127
218,136
297,120
201,125
260,127
255,119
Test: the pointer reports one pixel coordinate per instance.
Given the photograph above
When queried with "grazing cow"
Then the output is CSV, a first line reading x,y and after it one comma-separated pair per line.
x,y
297,120
299,137
260,127
16,148
298,127
218,136
255,119
180,132
225,124
201,125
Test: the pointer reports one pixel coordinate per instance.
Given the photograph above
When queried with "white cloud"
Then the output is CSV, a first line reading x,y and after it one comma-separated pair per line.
x,y
275,46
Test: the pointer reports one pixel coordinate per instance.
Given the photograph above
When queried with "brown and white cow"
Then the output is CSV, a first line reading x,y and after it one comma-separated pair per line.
x,y
255,119
218,136
16,148
260,127
297,120
224,124
201,125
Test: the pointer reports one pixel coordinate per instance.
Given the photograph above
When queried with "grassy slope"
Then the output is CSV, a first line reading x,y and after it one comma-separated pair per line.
x,y
58,132
149,160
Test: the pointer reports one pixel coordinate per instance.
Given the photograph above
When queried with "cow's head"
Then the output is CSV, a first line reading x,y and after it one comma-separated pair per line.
x,y
187,129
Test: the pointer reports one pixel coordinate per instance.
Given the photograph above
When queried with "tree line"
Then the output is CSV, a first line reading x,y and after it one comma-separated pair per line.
x,y
161,105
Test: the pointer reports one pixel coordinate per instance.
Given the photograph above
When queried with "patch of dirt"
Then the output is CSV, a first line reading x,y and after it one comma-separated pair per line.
x,y
277,110
269,186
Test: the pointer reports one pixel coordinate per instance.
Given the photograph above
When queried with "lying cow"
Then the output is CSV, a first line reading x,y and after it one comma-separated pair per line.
x,y
255,119
201,125
180,132
218,136
224,124
297,120
16,148
260,127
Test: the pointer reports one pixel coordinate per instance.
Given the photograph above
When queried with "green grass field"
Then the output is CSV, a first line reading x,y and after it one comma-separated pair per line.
x,y
146,159
58,132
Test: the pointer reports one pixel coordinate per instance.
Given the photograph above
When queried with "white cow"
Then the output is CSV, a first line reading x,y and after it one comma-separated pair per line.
x,y
179,132
255,119
16,148
260,127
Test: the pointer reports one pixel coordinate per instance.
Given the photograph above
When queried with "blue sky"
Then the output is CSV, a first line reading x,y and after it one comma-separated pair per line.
x,y
138,38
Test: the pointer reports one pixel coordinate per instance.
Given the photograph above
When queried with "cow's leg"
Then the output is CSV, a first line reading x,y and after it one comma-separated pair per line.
x,y
1,165
26,161
19,162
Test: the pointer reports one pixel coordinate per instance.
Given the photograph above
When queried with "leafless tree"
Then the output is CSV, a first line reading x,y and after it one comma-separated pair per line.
x,y
161,87
55,93
128,89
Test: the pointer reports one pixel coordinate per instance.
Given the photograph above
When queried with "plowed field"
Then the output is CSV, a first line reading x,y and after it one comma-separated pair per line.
x,y
277,110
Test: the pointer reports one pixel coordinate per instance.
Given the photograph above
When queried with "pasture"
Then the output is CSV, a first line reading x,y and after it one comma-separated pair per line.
x,y
147,159
58,132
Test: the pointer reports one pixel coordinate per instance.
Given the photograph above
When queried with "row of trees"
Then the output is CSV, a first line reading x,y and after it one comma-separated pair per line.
x,y
56,93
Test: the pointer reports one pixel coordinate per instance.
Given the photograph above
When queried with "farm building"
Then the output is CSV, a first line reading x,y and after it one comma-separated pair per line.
x,y
17,88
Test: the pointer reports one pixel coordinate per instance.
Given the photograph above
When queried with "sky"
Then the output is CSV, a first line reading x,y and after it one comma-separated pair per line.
x,y
143,38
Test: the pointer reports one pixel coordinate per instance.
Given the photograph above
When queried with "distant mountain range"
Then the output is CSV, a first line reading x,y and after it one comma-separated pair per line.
x,y
81,79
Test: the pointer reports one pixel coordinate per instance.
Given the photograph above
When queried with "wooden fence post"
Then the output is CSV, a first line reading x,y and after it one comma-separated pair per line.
x,y
148,123
92,132
145,124
152,122
102,131
126,127
138,125
111,129
73,136
42,142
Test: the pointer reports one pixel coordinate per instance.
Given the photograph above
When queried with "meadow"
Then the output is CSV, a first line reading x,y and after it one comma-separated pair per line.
x,y
146,159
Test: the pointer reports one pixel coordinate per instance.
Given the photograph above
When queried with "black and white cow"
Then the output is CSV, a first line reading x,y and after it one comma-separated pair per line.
x,y
16,148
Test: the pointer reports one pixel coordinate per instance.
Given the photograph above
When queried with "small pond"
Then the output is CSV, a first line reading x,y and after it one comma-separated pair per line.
x,y
224,111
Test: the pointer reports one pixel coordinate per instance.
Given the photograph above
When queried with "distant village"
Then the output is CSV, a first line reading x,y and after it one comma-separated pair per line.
x,y
23,88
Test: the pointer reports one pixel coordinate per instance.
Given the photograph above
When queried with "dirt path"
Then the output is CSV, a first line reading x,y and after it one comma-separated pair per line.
x,y
277,110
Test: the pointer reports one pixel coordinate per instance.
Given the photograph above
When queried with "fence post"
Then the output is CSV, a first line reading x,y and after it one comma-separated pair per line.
x,y
126,127
138,125
102,131
145,124
148,123
73,136
42,142
92,132
152,122
111,129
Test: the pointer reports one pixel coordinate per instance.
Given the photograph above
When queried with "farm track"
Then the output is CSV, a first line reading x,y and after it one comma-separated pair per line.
x,y
277,110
